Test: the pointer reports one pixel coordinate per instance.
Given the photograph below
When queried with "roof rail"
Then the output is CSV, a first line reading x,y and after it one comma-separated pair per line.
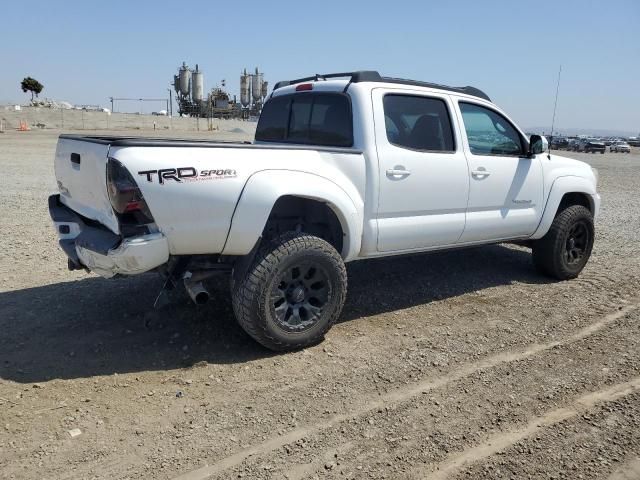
x,y
373,76
355,77
473,91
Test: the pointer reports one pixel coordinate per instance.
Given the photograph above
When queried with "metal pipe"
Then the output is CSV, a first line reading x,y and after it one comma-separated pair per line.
x,y
196,291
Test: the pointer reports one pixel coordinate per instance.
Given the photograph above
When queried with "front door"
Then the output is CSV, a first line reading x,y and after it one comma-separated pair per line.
x,y
505,186
423,171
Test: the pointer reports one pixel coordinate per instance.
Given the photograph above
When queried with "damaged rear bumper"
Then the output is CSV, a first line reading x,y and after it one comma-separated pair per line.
x,y
100,250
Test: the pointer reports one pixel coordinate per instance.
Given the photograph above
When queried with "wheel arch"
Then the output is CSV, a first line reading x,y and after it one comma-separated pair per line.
x,y
312,216
576,198
270,192
566,191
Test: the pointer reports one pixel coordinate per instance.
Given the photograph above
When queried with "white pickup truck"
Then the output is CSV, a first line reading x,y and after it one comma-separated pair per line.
x,y
344,167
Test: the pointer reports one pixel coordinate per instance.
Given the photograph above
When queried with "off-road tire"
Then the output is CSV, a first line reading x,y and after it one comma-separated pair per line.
x,y
549,252
252,290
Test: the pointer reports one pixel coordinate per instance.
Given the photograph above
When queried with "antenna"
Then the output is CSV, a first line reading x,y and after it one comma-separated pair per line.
x,y
555,105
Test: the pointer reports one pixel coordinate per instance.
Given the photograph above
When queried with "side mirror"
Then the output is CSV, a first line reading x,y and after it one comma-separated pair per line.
x,y
537,144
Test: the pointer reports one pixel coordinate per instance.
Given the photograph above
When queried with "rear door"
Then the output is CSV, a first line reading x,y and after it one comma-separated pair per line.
x,y
423,175
505,186
80,168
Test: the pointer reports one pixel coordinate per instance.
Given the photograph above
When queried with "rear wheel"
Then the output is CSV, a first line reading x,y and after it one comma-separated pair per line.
x,y
565,249
293,292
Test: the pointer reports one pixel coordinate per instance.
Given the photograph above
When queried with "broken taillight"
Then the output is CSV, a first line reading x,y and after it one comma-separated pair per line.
x,y
124,194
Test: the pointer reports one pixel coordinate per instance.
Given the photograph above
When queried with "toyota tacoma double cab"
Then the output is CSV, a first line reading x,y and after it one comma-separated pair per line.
x,y
344,167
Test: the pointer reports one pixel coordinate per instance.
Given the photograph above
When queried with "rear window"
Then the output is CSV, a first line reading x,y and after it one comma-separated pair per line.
x,y
307,118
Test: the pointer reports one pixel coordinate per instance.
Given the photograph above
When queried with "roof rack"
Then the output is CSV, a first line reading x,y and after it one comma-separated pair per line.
x,y
373,76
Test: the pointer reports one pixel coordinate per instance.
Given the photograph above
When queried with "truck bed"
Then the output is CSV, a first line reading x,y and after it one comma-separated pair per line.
x,y
194,212
128,141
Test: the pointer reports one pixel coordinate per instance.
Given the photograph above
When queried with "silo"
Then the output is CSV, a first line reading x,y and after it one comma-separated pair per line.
x,y
176,83
265,89
184,75
256,86
244,89
197,85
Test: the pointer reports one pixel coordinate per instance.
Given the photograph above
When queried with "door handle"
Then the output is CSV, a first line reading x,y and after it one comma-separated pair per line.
x,y
398,172
480,172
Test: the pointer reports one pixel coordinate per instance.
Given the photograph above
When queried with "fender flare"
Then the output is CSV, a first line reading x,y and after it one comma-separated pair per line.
x,y
264,188
560,187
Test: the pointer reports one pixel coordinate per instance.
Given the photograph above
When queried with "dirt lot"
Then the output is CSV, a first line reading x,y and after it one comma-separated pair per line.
x,y
453,365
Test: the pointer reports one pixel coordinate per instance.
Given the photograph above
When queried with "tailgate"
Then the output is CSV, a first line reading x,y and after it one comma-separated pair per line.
x,y
80,168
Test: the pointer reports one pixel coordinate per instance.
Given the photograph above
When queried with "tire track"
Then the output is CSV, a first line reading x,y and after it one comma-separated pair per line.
x,y
629,471
605,281
111,466
504,440
303,470
401,395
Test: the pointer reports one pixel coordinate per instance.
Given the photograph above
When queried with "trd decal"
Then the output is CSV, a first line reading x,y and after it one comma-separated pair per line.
x,y
186,174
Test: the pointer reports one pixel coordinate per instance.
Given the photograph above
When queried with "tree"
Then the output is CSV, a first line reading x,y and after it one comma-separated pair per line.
x,y
32,85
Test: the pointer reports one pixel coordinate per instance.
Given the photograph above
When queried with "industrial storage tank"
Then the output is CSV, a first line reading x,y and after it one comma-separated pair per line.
x,y
197,85
184,75
265,89
244,89
256,86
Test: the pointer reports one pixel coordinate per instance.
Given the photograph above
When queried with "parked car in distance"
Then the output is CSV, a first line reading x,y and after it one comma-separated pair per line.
x,y
591,145
572,145
559,143
620,147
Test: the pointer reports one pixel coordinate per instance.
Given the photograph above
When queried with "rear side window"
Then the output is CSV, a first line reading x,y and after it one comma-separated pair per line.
x,y
418,123
307,118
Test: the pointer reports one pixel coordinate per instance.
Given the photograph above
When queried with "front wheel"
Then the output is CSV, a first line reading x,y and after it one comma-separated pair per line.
x,y
293,292
565,249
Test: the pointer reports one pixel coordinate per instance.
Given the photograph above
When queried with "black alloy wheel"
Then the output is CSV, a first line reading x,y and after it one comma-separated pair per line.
x,y
299,296
578,241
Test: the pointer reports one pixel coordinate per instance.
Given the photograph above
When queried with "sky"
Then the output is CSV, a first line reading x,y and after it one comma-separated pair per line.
x,y
84,51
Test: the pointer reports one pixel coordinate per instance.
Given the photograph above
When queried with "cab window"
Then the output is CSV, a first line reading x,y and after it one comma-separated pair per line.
x,y
418,123
489,133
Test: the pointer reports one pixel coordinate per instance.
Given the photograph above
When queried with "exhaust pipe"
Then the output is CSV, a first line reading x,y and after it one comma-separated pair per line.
x,y
196,291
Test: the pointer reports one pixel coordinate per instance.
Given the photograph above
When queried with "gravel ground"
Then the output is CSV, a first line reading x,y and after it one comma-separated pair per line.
x,y
463,365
